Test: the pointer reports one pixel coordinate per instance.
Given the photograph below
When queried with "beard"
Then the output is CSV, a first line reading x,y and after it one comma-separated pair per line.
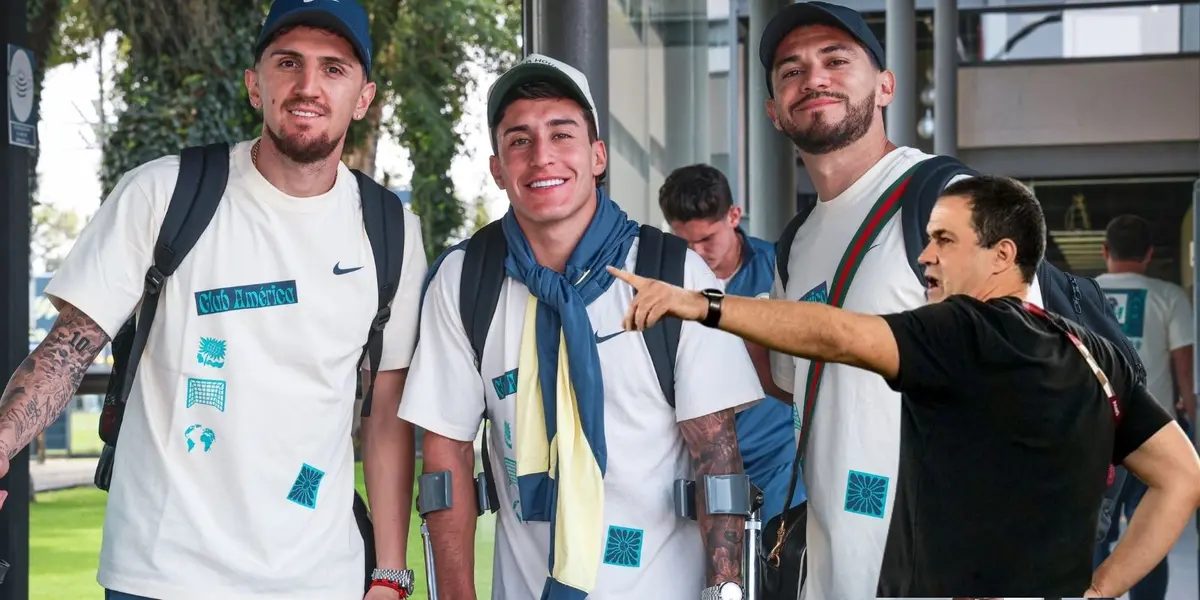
x,y
301,149
823,137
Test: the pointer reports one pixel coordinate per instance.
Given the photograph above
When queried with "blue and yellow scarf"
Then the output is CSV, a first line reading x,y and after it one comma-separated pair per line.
x,y
559,442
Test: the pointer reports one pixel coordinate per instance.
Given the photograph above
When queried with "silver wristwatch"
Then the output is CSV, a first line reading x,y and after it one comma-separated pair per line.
x,y
722,591
402,578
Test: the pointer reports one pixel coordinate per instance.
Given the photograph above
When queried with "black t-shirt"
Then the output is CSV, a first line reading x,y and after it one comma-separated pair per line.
x,y
1006,438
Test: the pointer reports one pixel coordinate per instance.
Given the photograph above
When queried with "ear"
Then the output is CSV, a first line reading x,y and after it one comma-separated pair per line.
x,y
494,166
1005,256
885,88
599,158
365,97
735,215
252,88
1149,256
1104,249
770,105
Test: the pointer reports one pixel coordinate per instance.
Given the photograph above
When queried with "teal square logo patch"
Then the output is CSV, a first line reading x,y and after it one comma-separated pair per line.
x,y
866,494
304,489
624,547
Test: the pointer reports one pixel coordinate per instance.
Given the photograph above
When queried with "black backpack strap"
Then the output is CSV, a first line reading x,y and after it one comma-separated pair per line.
x,y
662,256
199,186
783,247
482,278
480,282
924,188
203,174
383,218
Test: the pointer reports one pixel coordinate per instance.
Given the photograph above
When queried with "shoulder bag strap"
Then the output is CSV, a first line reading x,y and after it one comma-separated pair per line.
x,y
885,208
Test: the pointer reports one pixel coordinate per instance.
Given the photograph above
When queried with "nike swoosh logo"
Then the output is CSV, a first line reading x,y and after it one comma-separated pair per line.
x,y
871,248
601,339
338,270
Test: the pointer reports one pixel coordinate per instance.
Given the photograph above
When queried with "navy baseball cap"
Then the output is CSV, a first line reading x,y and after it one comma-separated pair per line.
x,y
815,13
346,17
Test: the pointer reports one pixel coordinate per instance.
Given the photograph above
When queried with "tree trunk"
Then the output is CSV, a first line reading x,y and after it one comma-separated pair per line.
x,y
362,156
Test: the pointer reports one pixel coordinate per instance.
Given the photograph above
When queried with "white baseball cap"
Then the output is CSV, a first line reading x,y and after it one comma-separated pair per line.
x,y
538,67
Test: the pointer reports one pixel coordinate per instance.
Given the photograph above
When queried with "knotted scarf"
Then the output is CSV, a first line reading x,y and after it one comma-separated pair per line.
x,y
559,442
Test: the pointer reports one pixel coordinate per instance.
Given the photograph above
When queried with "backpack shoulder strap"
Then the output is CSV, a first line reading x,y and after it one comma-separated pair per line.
x,y
480,282
383,218
783,247
662,256
482,278
203,174
924,188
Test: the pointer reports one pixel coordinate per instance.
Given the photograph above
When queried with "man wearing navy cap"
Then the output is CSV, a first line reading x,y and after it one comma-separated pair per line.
x,y
234,476
828,82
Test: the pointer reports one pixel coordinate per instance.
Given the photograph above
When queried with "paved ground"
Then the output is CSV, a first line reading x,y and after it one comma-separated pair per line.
x,y
1185,572
61,473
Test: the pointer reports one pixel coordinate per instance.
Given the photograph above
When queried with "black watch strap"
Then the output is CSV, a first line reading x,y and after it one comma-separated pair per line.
x,y
713,317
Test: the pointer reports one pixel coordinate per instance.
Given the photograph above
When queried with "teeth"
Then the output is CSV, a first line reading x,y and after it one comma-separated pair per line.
x,y
302,113
547,183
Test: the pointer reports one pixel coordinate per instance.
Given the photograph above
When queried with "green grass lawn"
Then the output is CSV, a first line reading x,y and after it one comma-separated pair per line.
x,y
64,546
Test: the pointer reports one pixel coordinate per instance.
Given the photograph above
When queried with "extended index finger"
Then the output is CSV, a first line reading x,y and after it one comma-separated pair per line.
x,y
636,281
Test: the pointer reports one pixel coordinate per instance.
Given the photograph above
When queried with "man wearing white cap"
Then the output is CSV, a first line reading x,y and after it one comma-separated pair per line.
x,y
582,432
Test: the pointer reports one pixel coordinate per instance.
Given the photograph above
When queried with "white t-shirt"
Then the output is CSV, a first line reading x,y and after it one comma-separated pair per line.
x,y
234,474
856,422
1156,316
650,553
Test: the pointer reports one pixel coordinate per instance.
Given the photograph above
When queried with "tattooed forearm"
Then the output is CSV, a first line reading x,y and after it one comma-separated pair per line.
x,y
47,380
712,440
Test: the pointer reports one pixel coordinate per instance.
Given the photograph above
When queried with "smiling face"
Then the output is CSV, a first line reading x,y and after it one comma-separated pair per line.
x,y
828,92
309,84
547,159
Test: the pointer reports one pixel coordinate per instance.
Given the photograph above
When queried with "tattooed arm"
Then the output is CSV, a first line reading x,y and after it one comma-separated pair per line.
x,y
712,441
47,380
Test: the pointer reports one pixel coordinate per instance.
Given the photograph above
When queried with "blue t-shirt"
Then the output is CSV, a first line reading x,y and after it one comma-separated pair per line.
x,y
765,434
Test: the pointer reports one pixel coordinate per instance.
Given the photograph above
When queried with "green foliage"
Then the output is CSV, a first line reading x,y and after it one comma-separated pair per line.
x,y
52,234
427,81
183,80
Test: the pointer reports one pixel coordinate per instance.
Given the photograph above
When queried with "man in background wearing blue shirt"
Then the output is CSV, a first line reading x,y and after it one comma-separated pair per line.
x,y
697,203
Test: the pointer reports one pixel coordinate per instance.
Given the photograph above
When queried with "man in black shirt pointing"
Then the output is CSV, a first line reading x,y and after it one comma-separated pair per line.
x,y
1012,418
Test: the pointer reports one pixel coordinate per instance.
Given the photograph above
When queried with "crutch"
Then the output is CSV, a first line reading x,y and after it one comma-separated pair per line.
x,y
729,495
436,492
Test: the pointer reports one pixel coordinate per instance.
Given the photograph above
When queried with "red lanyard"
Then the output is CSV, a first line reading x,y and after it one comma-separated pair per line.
x,y
1091,361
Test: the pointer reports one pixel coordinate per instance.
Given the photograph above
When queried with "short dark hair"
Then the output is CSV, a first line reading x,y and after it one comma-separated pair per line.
x,y
1002,208
697,191
545,90
1128,237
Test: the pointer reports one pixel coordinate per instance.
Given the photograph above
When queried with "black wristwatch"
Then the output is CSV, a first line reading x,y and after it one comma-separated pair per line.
x,y
714,297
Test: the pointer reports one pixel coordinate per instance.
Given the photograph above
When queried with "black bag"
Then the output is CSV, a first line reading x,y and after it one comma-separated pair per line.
x,y
660,256
1078,298
203,175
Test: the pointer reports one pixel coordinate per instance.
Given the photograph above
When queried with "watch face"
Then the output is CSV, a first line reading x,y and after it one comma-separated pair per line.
x,y
731,591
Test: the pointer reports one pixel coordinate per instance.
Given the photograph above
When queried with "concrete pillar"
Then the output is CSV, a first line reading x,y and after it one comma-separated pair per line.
x,y
576,32
530,19
901,50
685,69
15,219
772,161
945,77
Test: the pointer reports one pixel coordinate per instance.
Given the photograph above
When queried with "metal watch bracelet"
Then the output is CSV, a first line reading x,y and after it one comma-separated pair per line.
x,y
403,578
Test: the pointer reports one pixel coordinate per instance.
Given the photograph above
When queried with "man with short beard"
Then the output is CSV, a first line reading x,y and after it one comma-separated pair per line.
x,y
828,86
259,505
